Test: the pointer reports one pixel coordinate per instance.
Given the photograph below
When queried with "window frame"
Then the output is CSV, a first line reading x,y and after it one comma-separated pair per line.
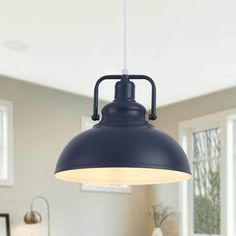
x,y
7,106
224,121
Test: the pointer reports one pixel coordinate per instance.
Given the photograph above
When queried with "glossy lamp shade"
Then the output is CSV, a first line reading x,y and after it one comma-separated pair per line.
x,y
123,148
32,217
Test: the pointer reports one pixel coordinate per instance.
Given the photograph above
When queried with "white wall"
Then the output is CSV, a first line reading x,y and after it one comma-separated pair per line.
x,y
44,121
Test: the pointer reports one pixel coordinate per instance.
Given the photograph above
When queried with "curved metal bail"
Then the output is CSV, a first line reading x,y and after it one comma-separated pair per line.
x,y
124,91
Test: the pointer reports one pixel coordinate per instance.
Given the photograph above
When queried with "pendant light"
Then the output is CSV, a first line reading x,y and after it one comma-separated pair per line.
x,y
123,148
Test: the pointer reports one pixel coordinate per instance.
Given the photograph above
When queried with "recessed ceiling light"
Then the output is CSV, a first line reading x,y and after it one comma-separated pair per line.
x,y
16,45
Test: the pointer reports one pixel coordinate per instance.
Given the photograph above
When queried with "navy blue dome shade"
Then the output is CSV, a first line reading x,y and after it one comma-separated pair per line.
x,y
123,148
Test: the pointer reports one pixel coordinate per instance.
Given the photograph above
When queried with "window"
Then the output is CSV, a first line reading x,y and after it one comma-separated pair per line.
x,y
6,162
208,201
206,181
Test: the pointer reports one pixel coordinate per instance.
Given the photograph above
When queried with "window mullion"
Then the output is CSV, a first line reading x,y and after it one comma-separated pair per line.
x,y
229,202
223,178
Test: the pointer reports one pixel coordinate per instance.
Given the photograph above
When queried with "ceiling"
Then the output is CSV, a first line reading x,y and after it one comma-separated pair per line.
x,y
187,46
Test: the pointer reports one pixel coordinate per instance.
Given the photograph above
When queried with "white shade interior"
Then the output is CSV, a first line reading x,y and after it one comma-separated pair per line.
x,y
129,176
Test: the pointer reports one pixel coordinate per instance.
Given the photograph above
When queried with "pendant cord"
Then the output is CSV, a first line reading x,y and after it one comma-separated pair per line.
x,y
125,70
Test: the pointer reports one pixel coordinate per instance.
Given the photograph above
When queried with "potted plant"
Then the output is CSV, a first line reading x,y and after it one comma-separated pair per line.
x,y
159,215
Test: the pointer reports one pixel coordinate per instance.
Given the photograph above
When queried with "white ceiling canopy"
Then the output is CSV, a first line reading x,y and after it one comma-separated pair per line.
x,y
187,46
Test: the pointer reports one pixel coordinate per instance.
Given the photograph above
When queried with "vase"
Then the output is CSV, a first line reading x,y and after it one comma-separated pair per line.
x,y
157,232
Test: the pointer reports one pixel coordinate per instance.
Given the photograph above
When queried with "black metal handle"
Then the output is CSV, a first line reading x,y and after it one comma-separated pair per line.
x,y
95,115
152,115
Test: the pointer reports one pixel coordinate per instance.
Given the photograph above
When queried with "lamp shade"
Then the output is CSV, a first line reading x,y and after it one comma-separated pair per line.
x,y
32,217
123,148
